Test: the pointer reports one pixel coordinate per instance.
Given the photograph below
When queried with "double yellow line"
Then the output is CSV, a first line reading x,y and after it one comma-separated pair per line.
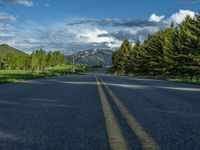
x,y
116,139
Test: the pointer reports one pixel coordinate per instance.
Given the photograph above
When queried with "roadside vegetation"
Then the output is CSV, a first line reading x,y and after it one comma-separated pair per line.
x,y
172,54
19,67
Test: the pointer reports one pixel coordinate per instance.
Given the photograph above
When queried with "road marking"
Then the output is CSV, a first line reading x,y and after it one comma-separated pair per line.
x,y
116,139
147,142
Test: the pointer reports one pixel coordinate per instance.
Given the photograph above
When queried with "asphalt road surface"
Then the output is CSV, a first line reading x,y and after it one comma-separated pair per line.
x,y
99,112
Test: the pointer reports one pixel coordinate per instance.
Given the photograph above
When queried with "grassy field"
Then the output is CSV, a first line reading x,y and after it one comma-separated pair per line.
x,y
7,76
194,80
180,79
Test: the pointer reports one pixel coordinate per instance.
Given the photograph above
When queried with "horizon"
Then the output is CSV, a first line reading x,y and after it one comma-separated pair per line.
x,y
28,25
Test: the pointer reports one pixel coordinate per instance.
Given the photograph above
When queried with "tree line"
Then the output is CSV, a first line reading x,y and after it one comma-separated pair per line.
x,y
173,52
37,61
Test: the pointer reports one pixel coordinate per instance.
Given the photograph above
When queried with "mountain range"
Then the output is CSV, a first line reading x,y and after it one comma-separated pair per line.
x,y
93,57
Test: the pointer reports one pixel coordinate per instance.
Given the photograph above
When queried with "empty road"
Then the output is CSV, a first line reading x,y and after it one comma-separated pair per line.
x,y
99,112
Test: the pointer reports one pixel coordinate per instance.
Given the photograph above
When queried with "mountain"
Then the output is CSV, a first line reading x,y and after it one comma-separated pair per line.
x,y
6,49
93,57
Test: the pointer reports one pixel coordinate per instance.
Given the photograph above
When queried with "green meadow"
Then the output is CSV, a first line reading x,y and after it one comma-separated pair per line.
x,y
8,76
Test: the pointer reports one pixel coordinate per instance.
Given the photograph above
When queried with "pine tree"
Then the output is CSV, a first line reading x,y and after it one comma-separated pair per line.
x,y
154,49
188,55
10,61
122,57
38,60
135,58
174,51
49,59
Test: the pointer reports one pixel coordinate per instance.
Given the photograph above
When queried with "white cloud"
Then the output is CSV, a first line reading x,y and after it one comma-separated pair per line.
x,y
180,16
90,35
6,17
156,18
65,35
47,5
7,30
61,37
27,3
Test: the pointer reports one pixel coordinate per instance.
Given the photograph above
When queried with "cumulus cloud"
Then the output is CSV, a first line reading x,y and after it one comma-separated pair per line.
x,y
115,22
133,34
6,17
79,37
82,34
156,18
62,37
180,16
27,3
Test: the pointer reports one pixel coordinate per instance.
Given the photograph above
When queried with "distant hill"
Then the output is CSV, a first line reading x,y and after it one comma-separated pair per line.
x,y
6,49
93,57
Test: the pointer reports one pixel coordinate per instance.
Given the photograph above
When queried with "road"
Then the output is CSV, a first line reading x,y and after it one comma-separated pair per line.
x,y
99,112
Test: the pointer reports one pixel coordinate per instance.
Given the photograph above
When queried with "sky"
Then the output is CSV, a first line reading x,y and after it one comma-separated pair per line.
x,y
86,24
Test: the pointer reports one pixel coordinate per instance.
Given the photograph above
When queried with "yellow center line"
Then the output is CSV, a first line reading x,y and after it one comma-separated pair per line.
x,y
147,142
116,139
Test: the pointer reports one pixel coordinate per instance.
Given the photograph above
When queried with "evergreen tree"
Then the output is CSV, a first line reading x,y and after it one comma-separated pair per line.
x,y
58,58
154,49
122,57
174,51
49,59
10,61
134,62
188,55
38,60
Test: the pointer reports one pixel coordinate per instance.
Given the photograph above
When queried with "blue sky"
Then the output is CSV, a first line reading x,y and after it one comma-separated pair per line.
x,y
84,24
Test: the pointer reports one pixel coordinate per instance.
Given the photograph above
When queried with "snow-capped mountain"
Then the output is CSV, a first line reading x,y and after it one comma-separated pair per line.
x,y
93,57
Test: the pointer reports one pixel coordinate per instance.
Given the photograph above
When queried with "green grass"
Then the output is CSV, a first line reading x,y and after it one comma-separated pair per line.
x,y
8,76
6,49
180,79
185,80
193,80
